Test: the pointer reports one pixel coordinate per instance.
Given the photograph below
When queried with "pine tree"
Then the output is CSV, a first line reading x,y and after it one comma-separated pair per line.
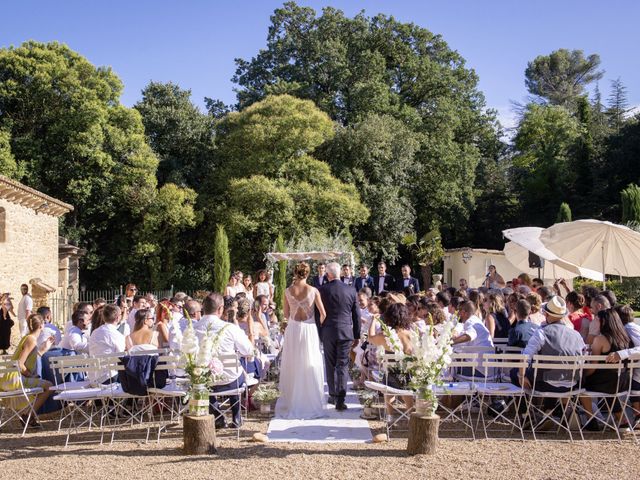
x,y
280,279
221,260
630,197
618,104
564,214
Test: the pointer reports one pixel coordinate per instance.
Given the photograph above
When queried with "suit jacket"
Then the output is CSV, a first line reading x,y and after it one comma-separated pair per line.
x,y
389,284
348,280
316,280
413,282
360,283
343,312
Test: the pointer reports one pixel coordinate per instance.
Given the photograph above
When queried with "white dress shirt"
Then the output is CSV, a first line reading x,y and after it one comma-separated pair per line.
x,y
50,330
26,304
106,339
232,340
478,333
381,284
75,339
633,330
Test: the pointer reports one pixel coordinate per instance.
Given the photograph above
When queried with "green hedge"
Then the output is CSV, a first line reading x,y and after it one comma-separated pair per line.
x,y
627,292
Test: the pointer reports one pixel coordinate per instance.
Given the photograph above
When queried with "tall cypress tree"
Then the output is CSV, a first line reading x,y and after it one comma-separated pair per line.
x,y
280,279
221,260
630,197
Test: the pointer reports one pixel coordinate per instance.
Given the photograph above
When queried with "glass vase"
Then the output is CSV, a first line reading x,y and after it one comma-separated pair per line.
x,y
426,401
198,400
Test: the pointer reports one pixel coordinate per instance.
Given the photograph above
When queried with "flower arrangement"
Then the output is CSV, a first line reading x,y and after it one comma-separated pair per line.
x,y
431,355
368,397
266,393
201,366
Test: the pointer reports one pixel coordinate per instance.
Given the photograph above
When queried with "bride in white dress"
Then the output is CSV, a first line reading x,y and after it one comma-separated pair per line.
x,y
301,367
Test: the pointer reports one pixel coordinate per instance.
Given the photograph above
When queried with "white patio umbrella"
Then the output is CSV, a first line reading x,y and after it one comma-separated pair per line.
x,y
527,239
596,245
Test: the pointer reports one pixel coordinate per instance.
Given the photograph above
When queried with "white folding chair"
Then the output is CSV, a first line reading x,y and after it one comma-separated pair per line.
x,y
515,395
231,361
608,420
466,376
499,344
630,407
58,366
169,397
8,408
82,407
537,415
121,409
460,413
399,413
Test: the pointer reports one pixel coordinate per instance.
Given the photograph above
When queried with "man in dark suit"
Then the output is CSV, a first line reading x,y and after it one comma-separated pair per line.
x,y
340,331
364,280
383,282
346,277
321,278
407,281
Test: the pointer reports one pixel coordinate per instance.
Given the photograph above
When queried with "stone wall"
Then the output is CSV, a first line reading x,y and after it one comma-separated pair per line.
x,y
28,249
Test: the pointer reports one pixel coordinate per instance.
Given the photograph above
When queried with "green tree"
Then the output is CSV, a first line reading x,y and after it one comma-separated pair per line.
x,y
8,165
354,68
70,138
544,143
377,156
630,197
618,105
560,77
564,213
280,280
272,183
427,251
222,262
178,132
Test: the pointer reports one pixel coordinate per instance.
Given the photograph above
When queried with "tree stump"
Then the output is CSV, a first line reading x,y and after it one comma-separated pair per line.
x,y
423,434
199,435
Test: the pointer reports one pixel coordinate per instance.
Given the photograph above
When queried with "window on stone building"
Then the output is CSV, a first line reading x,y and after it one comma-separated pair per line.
x,y
3,224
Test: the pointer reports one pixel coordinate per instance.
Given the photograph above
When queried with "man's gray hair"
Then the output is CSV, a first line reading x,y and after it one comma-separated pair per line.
x,y
333,269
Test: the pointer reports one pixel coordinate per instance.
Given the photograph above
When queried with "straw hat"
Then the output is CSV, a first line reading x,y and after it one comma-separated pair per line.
x,y
555,307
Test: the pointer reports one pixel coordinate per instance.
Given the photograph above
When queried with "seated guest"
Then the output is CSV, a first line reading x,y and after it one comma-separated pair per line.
x,y
255,332
107,339
544,292
25,354
474,332
496,318
633,331
552,339
477,298
139,303
396,317
536,316
536,283
577,316
76,338
99,302
512,300
85,307
443,299
599,302
96,320
521,332
144,336
49,329
231,340
612,338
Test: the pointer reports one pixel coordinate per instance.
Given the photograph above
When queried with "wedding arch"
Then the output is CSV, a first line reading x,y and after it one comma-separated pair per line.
x,y
325,256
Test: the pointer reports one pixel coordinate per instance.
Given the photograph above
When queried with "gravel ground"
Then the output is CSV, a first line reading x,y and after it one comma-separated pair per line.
x,y
43,455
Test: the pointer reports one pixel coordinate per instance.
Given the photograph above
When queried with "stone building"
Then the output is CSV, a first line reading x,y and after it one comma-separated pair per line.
x,y
30,250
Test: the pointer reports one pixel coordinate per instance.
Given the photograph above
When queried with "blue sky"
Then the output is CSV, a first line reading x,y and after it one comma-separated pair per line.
x,y
194,43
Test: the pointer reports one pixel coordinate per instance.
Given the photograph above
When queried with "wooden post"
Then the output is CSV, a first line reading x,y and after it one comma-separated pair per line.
x,y
423,434
199,435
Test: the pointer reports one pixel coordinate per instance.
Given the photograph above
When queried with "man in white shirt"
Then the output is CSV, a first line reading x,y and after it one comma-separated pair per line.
x,y
139,303
25,308
474,331
107,339
232,339
76,338
49,329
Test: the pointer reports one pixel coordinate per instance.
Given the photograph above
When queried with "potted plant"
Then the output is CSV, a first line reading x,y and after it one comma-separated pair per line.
x,y
367,397
265,395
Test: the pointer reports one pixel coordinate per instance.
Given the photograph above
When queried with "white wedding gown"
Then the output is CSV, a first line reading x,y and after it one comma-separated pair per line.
x,y
301,367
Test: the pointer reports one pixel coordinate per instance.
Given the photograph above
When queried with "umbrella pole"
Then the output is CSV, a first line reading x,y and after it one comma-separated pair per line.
x,y
604,276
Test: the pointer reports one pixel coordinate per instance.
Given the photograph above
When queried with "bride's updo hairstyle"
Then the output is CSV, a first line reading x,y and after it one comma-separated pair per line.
x,y
301,271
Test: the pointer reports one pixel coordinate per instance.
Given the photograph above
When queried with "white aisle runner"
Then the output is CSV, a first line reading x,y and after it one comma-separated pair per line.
x,y
336,427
